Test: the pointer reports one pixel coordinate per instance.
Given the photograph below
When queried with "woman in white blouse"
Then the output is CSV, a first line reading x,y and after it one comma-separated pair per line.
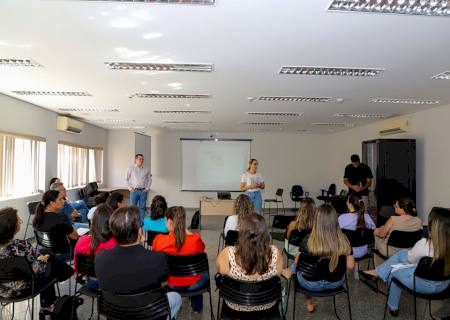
x,y
252,183
403,264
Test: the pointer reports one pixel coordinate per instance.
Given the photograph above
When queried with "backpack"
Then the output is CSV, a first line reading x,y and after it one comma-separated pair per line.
x,y
195,222
66,308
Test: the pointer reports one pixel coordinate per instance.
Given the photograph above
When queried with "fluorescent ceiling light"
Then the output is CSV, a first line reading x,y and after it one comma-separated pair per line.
x,y
442,76
332,124
169,95
182,111
185,67
52,93
113,120
294,99
251,123
330,71
403,101
362,115
185,122
201,2
19,63
88,109
410,7
274,113
127,127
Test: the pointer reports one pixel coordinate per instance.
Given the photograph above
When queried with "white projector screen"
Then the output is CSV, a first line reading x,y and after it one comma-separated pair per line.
x,y
209,165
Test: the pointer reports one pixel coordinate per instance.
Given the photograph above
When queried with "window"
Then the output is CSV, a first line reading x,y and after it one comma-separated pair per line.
x,y
22,165
78,165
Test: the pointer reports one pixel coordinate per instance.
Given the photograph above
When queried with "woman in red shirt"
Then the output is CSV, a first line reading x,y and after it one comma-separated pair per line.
x,y
181,241
99,238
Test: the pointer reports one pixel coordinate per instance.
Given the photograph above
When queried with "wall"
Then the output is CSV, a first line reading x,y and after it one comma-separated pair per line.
x,y
119,155
21,117
431,130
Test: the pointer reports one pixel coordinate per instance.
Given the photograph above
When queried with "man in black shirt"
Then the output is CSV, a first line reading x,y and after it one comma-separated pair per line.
x,y
129,268
358,178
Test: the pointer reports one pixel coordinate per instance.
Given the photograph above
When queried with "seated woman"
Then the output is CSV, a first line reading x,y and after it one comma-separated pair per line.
x,y
303,222
157,220
99,238
243,206
405,220
99,199
356,218
42,266
437,246
253,259
326,241
48,219
181,241
116,200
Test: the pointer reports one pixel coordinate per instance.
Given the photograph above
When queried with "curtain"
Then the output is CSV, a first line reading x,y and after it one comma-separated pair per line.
x,y
72,165
96,165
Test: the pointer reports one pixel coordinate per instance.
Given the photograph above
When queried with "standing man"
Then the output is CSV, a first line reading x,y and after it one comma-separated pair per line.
x,y
139,180
358,179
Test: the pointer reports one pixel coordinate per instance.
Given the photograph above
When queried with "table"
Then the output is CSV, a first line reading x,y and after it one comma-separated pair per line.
x,y
216,207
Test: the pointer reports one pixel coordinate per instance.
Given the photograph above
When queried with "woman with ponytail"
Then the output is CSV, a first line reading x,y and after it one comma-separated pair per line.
x,y
181,241
252,259
404,220
48,219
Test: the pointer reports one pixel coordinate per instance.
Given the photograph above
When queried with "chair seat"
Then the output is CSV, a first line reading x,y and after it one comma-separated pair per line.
x,y
27,294
270,314
429,296
89,292
324,198
375,251
272,200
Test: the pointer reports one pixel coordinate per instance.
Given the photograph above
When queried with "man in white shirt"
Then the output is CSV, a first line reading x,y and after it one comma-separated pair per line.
x,y
139,180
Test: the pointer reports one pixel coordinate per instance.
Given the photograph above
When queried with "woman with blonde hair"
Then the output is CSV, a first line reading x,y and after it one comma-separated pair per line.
x,y
252,183
303,222
325,243
243,206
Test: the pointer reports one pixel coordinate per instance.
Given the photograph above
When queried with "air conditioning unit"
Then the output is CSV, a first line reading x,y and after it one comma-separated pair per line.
x,y
70,125
394,126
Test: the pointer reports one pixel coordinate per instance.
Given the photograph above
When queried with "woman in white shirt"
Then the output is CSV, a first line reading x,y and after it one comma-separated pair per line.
x,y
436,246
252,183
242,207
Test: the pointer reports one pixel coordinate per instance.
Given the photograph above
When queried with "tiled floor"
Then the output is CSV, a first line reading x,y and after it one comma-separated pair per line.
x,y
365,303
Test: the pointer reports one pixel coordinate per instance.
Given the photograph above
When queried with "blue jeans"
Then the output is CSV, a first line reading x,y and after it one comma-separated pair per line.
x,y
82,208
92,283
174,303
138,198
196,301
255,196
406,276
320,285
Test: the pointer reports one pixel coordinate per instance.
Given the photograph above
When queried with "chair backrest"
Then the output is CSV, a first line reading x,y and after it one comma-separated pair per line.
x,y
296,191
332,190
225,222
151,235
359,237
404,239
151,305
231,238
85,264
428,270
296,237
249,293
187,265
15,269
32,207
279,192
282,222
44,239
315,268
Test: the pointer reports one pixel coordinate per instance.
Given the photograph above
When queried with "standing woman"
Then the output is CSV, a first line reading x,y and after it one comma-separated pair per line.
x,y
252,183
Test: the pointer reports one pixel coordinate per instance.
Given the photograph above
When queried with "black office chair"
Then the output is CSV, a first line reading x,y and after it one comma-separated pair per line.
x,y
19,269
151,305
188,266
222,235
151,235
327,194
427,270
278,199
280,222
85,268
339,203
358,238
31,211
249,293
295,239
296,195
313,269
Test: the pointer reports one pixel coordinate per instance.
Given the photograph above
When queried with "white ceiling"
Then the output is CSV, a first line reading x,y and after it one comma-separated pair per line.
x,y
247,41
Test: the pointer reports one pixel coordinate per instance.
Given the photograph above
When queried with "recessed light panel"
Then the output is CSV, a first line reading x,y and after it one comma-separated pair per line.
x,y
19,63
404,101
185,67
439,8
127,127
294,99
169,96
185,122
330,71
52,93
332,124
251,123
113,121
182,111
90,110
275,114
363,115
442,76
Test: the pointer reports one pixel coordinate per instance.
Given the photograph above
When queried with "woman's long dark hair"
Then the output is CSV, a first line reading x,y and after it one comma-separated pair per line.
x,y
408,205
357,203
49,196
253,250
100,230
114,199
158,207
178,216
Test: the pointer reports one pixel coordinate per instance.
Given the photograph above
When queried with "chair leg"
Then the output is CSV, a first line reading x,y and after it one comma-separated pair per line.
x,y
92,309
295,298
415,307
387,296
282,204
57,287
218,309
429,310
210,305
26,228
335,310
12,315
32,308
349,304
276,203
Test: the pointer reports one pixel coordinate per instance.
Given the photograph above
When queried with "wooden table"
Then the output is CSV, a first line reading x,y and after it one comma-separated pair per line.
x,y
216,207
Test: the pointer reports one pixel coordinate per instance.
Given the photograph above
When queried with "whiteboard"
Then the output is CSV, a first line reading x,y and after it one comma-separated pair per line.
x,y
209,165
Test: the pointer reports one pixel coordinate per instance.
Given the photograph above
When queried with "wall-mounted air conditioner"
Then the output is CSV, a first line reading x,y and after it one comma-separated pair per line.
x,y
70,125
394,126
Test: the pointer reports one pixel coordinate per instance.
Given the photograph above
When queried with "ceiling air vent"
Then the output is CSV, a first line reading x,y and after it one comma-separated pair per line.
x,y
275,114
293,99
330,71
182,111
19,63
170,96
251,123
53,93
90,110
404,101
333,124
442,76
184,67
